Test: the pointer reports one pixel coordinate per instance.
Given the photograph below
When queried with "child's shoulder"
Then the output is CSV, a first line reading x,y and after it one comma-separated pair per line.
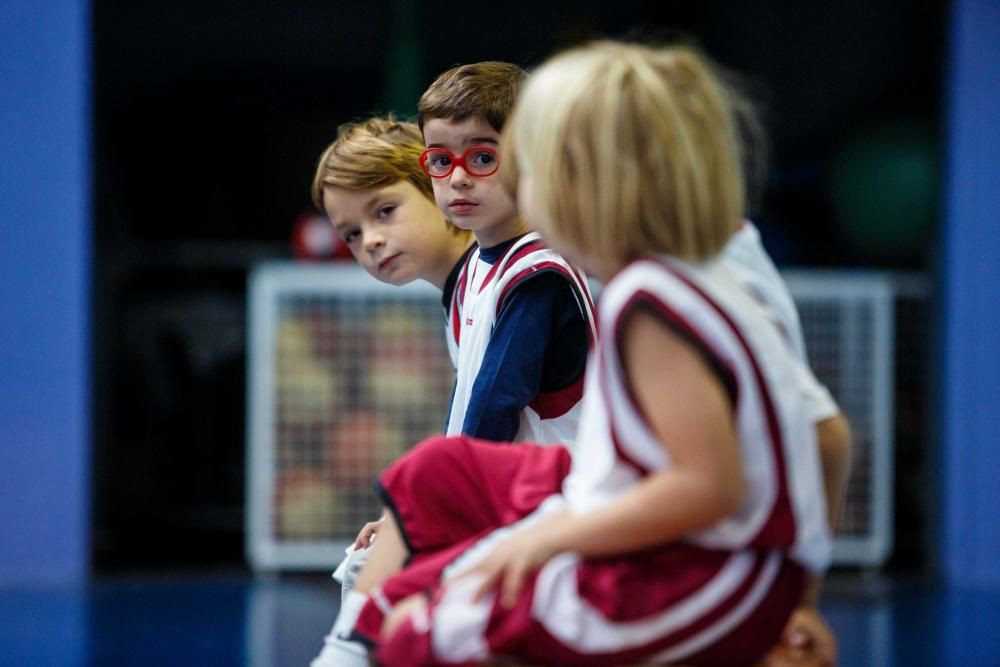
x,y
664,283
530,262
527,246
642,275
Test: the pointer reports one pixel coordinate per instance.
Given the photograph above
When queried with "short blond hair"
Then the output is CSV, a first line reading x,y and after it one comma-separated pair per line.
x,y
630,150
487,89
369,154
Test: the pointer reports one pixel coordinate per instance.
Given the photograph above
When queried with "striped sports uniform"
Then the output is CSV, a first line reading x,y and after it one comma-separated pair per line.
x,y
502,358
718,597
520,375
748,260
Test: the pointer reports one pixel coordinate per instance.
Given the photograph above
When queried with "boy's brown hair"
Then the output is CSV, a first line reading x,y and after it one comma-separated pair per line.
x,y
488,89
369,154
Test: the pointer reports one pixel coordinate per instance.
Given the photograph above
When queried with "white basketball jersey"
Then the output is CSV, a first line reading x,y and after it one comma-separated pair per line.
x,y
784,507
748,260
477,299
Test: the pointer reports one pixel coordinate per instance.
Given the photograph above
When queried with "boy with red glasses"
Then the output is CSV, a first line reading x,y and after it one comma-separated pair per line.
x,y
520,316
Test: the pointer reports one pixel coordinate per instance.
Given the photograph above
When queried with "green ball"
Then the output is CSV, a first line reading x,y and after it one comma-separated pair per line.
x,y
885,187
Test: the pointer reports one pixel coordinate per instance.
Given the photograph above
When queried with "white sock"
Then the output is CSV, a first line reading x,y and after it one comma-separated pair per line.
x,y
350,609
350,570
337,650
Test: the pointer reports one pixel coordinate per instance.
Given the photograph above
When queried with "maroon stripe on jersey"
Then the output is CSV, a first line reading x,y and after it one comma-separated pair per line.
x,y
686,330
632,587
779,529
624,455
557,403
583,281
516,631
521,253
534,270
463,279
458,299
527,248
701,624
591,313
456,321
489,276
752,637
676,321
759,631
717,612
706,620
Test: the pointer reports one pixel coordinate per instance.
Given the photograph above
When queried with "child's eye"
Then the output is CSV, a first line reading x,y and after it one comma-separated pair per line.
x,y
440,161
351,236
386,211
484,158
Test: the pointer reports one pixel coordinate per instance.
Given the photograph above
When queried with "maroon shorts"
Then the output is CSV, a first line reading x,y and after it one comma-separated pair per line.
x,y
674,603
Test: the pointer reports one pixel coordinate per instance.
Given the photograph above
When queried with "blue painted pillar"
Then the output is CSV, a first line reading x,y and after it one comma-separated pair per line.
x,y
970,285
44,283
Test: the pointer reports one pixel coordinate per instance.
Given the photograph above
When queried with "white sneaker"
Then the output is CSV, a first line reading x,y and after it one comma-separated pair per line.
x,y
339,652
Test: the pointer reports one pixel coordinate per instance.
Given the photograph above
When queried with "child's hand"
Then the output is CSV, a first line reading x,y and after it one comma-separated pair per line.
x,y
512,561
367,534
806,640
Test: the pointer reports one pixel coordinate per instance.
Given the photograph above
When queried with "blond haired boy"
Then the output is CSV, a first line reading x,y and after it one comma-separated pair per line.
x,y
380,202
370,184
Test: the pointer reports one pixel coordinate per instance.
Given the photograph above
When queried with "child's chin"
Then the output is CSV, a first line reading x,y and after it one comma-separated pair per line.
x,y
464,224
399,280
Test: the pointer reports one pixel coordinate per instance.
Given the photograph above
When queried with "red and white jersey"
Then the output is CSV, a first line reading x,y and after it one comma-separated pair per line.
x,y
784,508
748,260
476,301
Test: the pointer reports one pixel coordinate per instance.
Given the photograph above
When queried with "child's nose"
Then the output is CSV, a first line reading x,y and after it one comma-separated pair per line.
x,y
373,241
460,177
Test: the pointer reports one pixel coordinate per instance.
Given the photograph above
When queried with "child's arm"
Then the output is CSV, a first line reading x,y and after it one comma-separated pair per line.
x,y
806,635
690,412
834,438
520,361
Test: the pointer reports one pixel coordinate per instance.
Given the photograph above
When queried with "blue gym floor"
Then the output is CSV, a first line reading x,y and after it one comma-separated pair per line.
x,y
238,620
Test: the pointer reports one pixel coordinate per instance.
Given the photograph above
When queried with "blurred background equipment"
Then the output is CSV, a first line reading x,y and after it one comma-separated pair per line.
x,y
313,238
309,445
345,373
885,190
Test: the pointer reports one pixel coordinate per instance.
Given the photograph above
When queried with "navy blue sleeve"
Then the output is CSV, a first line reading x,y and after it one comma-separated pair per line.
x,y
539,343
451,402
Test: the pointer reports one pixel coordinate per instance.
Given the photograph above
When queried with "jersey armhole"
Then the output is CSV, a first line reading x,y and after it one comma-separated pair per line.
x,y
584,304
680,326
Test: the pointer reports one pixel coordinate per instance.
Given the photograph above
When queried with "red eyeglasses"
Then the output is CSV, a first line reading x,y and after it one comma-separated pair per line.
x,y
477,161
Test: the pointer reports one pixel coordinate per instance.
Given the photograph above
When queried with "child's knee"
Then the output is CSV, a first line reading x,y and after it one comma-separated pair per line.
x,y
422,466
435,447
412,608
405,636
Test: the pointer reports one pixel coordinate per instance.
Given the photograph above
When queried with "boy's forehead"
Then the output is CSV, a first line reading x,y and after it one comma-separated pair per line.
x,y
341,202
447,132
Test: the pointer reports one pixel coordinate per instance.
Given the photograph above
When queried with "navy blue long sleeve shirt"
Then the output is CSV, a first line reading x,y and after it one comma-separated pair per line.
x,y
538,345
